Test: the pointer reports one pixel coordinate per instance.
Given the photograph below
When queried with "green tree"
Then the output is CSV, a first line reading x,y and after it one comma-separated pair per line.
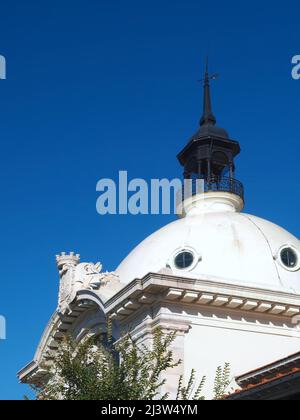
x,y
222,381
187,392
95,369
191,392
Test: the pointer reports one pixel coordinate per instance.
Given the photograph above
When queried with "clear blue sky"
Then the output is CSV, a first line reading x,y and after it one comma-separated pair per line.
x,y
99,86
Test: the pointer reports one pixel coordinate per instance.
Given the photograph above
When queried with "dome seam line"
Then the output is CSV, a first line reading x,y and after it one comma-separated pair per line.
x,y
265,237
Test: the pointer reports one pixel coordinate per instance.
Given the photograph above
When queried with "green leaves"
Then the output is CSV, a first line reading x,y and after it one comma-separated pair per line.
x,y
99,369
188,393
222,381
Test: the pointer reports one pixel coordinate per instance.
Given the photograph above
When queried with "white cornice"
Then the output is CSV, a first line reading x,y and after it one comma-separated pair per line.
x,y
159,288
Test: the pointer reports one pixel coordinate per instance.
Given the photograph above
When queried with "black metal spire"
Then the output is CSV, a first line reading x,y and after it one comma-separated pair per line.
x,y
208,117
210,153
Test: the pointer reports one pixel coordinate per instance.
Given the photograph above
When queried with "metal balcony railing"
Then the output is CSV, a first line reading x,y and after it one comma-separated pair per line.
x,y
224,184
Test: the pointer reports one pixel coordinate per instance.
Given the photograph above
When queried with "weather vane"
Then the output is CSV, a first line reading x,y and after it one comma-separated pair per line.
x,y
207,77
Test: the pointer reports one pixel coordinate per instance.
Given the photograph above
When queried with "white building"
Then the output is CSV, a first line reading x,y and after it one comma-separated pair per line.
x,y
227,282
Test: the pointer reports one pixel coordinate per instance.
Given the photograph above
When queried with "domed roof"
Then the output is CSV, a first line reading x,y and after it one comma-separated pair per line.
x,y
210,131
220,244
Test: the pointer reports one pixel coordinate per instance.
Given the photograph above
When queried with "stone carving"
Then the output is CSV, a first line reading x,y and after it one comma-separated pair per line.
x,y
88,276
75,276
66,264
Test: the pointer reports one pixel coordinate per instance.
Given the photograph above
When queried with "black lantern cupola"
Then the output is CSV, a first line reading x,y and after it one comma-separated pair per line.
x,y
210,153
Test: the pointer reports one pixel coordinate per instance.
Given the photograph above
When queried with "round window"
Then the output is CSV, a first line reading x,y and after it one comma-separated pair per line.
x,y
184,260
289,258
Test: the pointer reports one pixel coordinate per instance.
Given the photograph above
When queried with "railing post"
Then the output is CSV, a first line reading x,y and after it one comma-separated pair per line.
x,y
208,174
224,184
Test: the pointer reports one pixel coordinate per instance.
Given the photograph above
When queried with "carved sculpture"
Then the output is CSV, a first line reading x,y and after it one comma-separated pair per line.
x,y
75,276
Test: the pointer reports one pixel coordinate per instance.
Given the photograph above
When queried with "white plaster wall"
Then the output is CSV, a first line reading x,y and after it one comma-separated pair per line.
x,y
217,335
207,347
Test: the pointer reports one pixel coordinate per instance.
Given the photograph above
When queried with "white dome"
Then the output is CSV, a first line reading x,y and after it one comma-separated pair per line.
x,y
227,245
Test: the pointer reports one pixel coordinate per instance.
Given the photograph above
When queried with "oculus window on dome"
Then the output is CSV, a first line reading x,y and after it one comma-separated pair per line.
x,y
184,260
289,257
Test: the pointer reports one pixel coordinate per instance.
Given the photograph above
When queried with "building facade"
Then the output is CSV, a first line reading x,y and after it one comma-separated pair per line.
x,y
228,283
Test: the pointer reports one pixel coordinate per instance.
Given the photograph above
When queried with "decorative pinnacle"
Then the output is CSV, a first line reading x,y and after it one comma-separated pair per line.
x,y
65,258
208,117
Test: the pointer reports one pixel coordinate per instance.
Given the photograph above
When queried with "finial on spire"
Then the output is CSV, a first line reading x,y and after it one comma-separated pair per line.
x,y
208,117
206,68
